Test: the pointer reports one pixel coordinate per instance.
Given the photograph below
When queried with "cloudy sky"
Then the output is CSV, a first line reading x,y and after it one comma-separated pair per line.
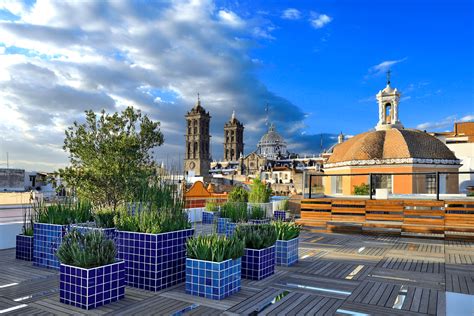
x,y
318,64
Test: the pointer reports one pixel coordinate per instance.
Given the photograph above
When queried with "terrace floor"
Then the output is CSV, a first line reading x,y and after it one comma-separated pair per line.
x,y
337,275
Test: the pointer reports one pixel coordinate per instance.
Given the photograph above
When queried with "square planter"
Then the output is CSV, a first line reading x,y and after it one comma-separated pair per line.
x,y
260,221
214,280
109,233
280,215
230,229
47,239
24,247
287,252
91,288
153,261
222,224
208,217
258,264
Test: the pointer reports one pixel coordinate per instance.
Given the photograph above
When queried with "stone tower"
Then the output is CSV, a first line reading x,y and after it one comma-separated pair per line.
x,y
233,139
197,158
388,100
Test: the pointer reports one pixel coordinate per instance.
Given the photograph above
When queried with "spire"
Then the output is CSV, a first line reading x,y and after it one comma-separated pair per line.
x,y
198,103
388,77
233,115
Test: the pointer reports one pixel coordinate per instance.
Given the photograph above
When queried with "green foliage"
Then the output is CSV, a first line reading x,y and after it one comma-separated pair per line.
x,y
362,189
88,250
156,194
259,192
285,205
257,212
65,213
236,211
286,230
238,194
152,222
29,218
104,217
110,155
212,206
214,248
257,236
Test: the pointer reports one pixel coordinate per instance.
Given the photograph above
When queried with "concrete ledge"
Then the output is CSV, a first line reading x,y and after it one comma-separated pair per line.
x,y
8,232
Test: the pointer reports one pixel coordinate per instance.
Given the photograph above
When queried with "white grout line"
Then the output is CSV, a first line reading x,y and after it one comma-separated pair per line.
x,y
3,311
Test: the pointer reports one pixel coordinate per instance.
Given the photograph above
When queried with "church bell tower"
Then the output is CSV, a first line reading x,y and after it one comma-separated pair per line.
x,y
197,158
233,139
388,100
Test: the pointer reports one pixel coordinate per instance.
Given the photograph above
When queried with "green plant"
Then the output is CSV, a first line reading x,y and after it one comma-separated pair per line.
x,y
88,250
152,222
362,189
214,248
212,206
238,194
29,217
64,213
104,217
286,230
257,212
284,205
236,211
257,236
259,192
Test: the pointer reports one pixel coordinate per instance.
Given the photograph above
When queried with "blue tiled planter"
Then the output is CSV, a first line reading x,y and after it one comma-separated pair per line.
x,y
279,215
258,264
208,217
91,288
230,229
260,221
287,252
24,247
214,280
153,261
47,239
222,224
109,233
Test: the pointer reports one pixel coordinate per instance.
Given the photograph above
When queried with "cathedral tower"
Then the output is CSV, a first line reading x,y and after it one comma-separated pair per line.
x,y
233,139
197,158
388,100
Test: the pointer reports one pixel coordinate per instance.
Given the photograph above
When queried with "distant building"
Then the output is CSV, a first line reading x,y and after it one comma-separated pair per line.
x,y
233,139
391,148
12,180
461,142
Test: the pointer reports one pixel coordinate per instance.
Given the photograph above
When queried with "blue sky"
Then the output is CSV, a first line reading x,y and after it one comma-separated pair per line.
x,y
318,64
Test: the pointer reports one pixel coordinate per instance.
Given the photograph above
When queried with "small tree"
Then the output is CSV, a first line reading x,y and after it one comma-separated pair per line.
x,y
110,155
238,194
362,189
259,192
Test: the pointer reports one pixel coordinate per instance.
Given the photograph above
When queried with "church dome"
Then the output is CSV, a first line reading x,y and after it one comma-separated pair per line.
x,y
271,137
392,146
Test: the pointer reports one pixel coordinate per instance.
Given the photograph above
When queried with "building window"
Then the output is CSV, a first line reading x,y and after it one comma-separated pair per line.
x,y
430,183
383,181
338,185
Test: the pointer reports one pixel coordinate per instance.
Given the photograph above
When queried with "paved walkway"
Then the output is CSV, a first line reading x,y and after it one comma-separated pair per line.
x,y
336,275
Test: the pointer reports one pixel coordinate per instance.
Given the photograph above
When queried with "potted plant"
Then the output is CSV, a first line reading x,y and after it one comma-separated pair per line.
x,y
257,215
90,276
258,261
210,212
213,266
51,224
153,245
24,241
287,242
234,213
282,212
102,220
259,195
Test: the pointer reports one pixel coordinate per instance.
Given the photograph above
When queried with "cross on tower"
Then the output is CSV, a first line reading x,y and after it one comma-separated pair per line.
x,y
388,76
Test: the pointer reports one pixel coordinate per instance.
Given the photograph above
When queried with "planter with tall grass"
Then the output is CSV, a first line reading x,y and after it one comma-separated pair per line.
x,y
90,276
282,210
153,245
52,223
210,213
257,215
287,243
24,241
234,212
258,261
213,266
103,220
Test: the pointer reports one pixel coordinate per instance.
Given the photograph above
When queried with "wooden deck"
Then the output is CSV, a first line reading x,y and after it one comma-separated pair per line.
x,y
337,275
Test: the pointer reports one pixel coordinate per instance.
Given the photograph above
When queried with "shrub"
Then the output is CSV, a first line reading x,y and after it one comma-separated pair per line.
x,y
285,204
286,230
362,189
211,206
237,212
257,236
65,213
238,194
104,217
152,222
88,250
257,212
214,248
28,219
259,192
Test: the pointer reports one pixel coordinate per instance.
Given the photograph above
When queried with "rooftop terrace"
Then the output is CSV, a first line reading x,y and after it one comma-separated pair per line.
x,y
337,275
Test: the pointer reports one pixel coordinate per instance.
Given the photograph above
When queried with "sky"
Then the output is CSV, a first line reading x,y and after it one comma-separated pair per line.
x,y
317,64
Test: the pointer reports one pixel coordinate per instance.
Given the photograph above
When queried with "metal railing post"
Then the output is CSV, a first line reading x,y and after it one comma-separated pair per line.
x,y
437,185
370,185
310,180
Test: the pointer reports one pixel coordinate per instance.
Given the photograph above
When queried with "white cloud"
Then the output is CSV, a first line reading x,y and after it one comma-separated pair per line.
x,y
230,18
291,14
384,66
444,123
319,20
